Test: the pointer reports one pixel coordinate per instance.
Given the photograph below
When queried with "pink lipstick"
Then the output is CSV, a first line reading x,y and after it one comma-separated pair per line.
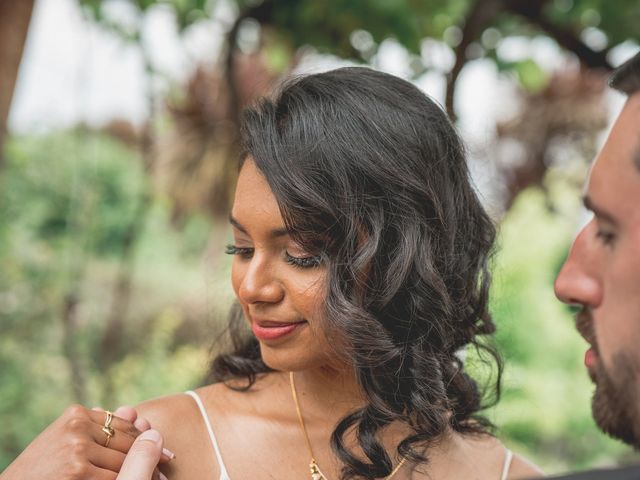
x,y
268,330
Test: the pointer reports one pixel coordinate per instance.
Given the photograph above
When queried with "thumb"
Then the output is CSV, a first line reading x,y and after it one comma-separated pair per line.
x,y
143,457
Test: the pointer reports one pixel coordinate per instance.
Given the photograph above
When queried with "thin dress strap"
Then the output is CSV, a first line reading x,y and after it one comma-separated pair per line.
x,y
507,464
223,470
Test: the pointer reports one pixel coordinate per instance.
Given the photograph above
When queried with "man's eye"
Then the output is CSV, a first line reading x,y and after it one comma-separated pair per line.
x,y
607,238
244,252
303,262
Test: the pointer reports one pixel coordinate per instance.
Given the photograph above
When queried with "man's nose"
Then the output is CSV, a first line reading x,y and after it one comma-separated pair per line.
x,y
260,282
577,282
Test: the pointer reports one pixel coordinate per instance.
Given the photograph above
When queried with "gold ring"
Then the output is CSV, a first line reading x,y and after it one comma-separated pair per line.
x,y
107,428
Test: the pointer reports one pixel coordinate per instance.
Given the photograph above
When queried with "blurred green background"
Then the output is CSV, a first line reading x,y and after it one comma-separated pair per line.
x,y
113,284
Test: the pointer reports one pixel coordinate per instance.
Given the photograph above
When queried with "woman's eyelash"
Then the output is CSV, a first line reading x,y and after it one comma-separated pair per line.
x,y
243,251
303,262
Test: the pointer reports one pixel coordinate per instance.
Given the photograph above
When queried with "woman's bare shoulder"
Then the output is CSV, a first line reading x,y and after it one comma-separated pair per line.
x,y
223,400
521,468
490,453
178,419
184,430
163,411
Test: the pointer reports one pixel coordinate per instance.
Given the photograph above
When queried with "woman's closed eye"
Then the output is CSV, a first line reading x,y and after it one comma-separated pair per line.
x,y
303,261
244,252
309,261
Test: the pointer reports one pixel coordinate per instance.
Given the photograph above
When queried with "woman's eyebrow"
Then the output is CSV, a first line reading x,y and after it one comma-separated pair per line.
x,y
275,233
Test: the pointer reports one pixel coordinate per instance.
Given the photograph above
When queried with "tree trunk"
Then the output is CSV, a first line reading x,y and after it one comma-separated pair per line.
x,y
14,24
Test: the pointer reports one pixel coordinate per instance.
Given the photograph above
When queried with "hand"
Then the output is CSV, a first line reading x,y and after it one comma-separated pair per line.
x,y
143,457
72,447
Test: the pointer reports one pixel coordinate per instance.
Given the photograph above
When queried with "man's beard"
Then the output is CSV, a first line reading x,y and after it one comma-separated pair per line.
x,y
615,403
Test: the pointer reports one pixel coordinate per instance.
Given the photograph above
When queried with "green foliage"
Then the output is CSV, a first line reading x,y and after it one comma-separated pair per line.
x,y
92,178
329,26
158,368
619,20
65,202
334,27
531,76
187,12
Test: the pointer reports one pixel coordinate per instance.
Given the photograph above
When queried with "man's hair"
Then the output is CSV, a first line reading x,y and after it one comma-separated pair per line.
x,y
626,78
370,174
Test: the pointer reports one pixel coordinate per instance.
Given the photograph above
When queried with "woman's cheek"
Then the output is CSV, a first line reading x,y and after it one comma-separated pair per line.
x,y
310,293
237,274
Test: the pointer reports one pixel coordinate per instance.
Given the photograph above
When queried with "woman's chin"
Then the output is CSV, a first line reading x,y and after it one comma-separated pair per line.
x,y
293,359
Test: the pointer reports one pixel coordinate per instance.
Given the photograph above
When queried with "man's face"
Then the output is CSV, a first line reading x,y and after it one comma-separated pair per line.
x,y
602,275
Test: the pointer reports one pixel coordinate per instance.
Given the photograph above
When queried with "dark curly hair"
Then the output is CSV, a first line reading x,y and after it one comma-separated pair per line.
x,y
370,174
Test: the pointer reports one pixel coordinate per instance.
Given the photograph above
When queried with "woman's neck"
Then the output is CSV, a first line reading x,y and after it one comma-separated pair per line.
x,y
328,392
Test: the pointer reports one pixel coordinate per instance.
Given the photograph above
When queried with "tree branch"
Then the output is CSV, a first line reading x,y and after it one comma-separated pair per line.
x,y
531,11
479,17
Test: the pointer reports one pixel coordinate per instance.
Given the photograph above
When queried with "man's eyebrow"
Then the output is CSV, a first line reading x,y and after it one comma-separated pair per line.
x,y
278,232
599,212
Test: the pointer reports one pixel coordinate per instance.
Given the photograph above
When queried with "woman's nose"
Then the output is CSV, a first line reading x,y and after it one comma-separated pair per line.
x,y
260,284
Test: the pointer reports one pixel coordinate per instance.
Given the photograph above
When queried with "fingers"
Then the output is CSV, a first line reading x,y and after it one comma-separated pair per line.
x,y
143,457
126,413
119,441
142,424
117,423
89,424
93,473
82,429
131,415
105,458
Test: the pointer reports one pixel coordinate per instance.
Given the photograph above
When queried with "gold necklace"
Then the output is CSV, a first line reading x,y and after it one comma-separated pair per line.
x,y
316,473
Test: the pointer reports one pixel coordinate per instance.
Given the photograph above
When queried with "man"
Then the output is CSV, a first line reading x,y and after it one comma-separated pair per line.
x,y
602,273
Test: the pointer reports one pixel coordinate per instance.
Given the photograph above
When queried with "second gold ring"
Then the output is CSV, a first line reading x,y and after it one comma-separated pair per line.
x,y
108,429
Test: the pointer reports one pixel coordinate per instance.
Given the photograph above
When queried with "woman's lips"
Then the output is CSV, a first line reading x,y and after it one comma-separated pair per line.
x,y
269,330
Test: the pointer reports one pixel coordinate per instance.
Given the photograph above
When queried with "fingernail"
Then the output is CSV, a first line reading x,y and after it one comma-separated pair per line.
x,y
97,409
162,476
140,424
168,453
152,435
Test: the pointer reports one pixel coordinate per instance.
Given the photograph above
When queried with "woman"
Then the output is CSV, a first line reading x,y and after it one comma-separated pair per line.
x,y
360,267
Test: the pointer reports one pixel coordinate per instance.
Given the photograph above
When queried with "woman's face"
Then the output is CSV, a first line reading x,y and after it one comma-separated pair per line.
x,y
280,286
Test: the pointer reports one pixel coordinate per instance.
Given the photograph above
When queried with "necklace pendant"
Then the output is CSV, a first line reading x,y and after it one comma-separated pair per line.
x,y
316,474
